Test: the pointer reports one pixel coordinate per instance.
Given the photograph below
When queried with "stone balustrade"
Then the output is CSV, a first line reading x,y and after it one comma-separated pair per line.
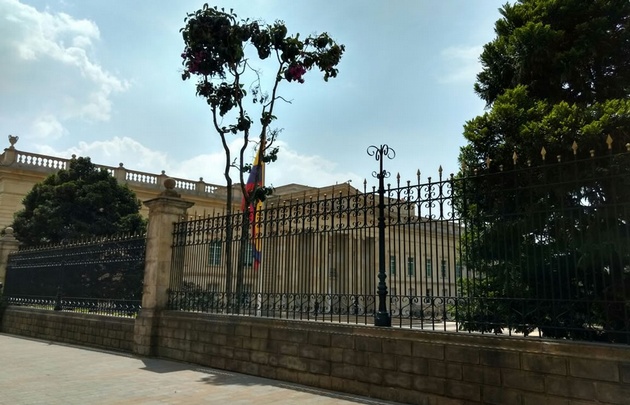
x,y
50,164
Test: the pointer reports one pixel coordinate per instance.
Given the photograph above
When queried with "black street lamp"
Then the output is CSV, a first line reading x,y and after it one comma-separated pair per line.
x,y
382,317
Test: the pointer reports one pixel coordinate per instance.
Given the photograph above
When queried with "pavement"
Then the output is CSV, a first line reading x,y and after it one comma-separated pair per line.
x,y
49,373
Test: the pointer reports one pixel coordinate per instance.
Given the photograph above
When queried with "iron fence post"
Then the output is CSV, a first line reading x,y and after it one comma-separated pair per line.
x,y
382,317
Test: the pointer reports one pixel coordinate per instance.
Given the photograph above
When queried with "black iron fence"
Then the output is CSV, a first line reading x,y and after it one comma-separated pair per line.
x,y
101,275
538,250
548,249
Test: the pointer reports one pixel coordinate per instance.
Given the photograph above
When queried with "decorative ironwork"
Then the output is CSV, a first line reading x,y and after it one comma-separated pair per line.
x,y
542,251
103,275
382,317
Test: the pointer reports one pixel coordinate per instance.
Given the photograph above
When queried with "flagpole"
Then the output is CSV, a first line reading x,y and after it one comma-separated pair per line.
x,y
258,215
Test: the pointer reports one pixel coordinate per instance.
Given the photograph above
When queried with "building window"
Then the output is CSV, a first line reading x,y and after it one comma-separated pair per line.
x,y
428,266
392,265
214,253
458,270
411,266
248,260
443,268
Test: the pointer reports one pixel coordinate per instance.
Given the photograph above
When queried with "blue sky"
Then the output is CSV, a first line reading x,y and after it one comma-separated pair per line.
x,y
102,78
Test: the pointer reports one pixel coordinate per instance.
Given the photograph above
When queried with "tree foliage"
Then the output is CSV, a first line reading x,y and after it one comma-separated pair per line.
x,y
78,202
556,80
219,49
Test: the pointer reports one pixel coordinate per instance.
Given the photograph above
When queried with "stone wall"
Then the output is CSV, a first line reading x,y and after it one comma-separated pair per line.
x,y
106,332
388,363
402,365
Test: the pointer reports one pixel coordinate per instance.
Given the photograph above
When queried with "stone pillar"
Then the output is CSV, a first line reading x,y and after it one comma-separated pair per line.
x,y
8,244
164,211
120,173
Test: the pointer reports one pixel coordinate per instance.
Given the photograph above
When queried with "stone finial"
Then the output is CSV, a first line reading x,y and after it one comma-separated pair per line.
x,y
169,185
8,234
13,140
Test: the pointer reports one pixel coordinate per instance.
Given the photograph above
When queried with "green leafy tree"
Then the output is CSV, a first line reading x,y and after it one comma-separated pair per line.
x,y
220,50
78,202
556,80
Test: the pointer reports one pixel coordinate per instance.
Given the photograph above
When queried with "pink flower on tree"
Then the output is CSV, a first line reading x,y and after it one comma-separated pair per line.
x,y
295,72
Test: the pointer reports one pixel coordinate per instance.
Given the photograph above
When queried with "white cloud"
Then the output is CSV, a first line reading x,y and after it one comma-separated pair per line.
x,y
47,58
112,152
462,64
47,126
291,166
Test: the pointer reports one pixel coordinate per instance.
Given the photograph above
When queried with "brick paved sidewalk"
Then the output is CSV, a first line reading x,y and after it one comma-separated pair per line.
x,y
47,373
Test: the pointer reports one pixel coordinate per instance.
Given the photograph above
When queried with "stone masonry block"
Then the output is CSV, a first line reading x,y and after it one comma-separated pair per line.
x,y
242,330
351,386
259,357
617,394
343,371
254,344
308,379
335,353
226,352
283,347
260,332
500,396
538,399
367,344
293,363
624,370
241,354
413,365
319,367
525,380
429,384
444,369
218,339
428,350
217,362
324,382
350,356
289,335
463,390
250,368
544,364
319,338
398,380
500,358
313,352
197,347
383,361
343,341
462,354
481,374
397,347
599,370
267,371
408,397
287,375
370,375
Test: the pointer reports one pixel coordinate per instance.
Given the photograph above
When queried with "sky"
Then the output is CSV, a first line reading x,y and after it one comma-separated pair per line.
x,y
102,78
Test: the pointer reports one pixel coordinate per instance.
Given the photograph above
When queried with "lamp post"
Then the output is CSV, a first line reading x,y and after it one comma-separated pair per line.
x,y
382,317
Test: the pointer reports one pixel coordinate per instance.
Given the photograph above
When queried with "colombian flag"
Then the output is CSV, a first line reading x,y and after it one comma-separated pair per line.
x,y
256,179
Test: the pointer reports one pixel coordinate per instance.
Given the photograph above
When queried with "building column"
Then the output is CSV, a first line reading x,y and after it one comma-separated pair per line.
x,y
164,211
8,244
